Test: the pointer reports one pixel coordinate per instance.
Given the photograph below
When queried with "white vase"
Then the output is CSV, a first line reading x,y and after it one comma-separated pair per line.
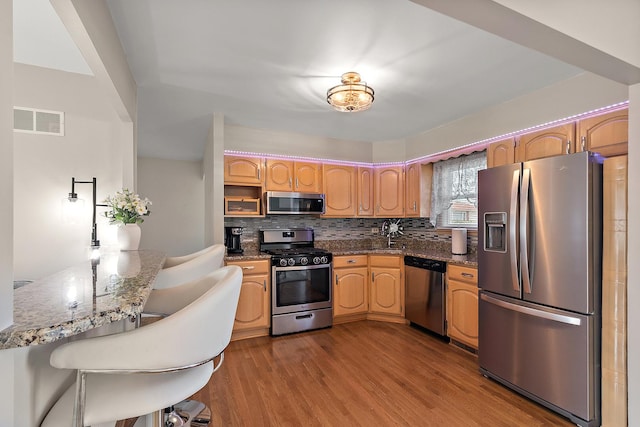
x,y
129,237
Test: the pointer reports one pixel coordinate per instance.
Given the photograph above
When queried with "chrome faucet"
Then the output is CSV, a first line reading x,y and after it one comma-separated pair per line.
x,y
389,243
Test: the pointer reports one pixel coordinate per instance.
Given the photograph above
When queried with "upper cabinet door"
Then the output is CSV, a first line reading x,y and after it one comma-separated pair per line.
x,y
607,134
389,191
307,177
550,142
340,190
366,203
418,179
243,170
412,190
279,175
501,153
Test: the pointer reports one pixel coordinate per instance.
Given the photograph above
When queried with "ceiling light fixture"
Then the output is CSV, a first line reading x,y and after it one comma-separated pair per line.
x,y
352,95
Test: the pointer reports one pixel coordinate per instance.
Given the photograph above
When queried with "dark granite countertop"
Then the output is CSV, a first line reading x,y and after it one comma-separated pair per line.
x,y
440,255
337,248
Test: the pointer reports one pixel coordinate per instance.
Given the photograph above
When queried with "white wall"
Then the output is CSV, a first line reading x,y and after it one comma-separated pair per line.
x,y
218,141
6,209
389,151
207,173
176,189
213,171
252,140
6,164
598,24
92,29
44,165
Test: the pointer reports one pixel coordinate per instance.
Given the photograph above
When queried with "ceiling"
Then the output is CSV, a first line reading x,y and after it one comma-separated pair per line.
x,y
268,64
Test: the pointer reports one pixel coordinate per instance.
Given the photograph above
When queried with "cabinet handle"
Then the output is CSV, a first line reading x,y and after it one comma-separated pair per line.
x,y
297,185
568,146
373,276
290,185
351,261
248,267
583,141
259,173
469,275
264,284
360,207
336,280
414,206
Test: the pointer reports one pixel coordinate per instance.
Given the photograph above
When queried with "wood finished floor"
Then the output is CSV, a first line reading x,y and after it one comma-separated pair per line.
x,y
361,374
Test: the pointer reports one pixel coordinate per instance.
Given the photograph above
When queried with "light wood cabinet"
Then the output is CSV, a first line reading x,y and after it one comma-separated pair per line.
x,y
462,304
501,153
615,285
549,142
243,170
389,191
340,190
418,190
287,175
279,175
350,285
366,202
607,134
255,296
307,177
387,287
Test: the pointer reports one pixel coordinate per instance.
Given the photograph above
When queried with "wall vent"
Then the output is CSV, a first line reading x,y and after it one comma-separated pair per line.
x,y
30,120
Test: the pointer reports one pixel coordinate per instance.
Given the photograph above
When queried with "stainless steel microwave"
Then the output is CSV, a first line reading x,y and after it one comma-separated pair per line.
x,y
284,202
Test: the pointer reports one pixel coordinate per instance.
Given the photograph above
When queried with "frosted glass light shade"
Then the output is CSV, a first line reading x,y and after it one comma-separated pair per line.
x,y
72,210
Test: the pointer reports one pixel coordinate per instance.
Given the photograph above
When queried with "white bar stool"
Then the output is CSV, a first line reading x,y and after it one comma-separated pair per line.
x,y
181,270
135,373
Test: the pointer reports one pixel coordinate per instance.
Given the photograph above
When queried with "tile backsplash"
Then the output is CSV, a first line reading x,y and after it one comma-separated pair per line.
x,y
416,230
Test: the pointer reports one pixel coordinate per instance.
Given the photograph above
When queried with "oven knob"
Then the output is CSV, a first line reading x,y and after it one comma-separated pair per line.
x,y
324,259
304,260
291,261
283,262
316,260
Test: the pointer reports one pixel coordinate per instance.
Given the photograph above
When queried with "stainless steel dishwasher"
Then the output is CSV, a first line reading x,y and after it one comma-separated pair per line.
x,y
425,293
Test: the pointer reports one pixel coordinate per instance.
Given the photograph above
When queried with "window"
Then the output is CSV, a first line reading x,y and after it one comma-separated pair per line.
x,y
454,199
29,120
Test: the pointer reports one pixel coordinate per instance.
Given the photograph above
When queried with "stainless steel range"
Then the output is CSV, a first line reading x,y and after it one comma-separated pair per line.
x,y
301,297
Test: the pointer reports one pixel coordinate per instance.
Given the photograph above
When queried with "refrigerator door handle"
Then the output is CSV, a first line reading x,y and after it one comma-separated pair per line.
x,y
524,230
513,219
532,311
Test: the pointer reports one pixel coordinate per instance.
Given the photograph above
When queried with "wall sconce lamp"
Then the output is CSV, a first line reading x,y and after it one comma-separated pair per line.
x,y
74,202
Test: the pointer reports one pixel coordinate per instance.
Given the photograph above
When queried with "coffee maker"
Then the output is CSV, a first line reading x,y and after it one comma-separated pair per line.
x,y
232,240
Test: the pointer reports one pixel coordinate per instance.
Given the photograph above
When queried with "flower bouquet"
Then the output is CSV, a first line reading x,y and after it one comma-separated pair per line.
x,y
126,207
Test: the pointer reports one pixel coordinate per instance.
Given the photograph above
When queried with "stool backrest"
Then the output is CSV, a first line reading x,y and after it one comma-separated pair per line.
x,y
198,332
177,260
192,269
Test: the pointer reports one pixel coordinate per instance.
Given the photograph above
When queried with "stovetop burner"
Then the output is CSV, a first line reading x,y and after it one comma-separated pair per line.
x,y
293,247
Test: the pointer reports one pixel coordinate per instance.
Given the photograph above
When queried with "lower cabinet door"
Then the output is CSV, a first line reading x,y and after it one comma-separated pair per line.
x,y
350,291
253,306
386,291
462,312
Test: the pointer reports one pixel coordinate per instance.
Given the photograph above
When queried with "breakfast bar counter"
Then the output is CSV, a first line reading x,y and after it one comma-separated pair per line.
x,y
82,297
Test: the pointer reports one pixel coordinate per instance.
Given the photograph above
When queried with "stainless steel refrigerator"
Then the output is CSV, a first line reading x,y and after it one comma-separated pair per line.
x,y
539,270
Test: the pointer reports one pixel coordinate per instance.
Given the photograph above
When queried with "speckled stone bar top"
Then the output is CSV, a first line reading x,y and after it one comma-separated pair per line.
x,y
81,298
